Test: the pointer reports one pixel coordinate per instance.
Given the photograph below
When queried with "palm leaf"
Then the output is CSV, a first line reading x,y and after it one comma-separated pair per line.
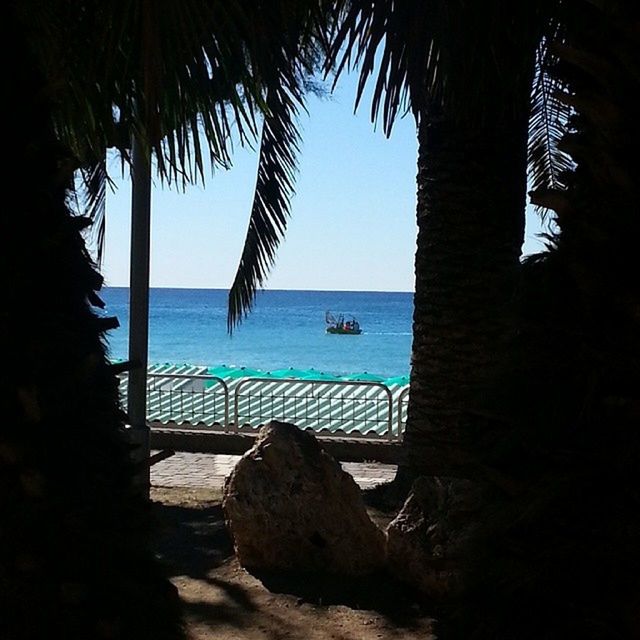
x,y
271,204
167,72
286,76
547,124
431,55
434,54
91,200
183,79
408,63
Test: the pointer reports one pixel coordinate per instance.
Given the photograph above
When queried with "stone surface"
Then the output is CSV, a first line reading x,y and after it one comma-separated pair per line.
x,y
425,540
290,506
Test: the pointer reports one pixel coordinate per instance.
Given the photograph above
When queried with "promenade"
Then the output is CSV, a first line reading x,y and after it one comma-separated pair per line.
x,y
207,470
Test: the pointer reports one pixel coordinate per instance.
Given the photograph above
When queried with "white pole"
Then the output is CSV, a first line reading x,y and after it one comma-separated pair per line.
x,y
139,305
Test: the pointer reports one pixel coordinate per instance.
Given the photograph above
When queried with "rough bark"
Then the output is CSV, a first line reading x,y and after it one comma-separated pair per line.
x,y
425,543
471,201
564,549
75,560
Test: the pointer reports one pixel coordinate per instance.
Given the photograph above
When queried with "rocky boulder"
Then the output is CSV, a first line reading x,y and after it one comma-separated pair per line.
x,y
290,506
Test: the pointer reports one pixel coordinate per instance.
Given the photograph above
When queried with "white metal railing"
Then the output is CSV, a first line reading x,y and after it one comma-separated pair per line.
x,y
317,404
187,397
361,408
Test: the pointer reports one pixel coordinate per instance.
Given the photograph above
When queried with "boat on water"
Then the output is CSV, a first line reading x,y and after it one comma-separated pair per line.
x,y
340,325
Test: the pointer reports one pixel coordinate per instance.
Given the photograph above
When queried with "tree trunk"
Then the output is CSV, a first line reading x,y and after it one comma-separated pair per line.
x,y
74,549
471,202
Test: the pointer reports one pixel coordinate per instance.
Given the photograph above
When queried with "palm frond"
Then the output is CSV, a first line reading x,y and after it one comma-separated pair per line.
x,y
175,75
285,76
271,205
407,64
432,55
547,124
90,200
184,79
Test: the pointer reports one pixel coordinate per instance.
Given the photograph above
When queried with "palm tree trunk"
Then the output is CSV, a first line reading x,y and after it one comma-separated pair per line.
x,y
74,549
470,214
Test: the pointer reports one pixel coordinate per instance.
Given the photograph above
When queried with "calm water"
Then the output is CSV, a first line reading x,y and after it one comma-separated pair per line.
x,y
286,329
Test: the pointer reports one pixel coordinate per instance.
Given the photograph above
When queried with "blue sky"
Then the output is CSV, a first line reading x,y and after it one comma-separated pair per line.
x,y
353,215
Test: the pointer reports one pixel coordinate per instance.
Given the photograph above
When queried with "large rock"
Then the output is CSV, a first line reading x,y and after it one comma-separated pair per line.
x,y
290,506
426,541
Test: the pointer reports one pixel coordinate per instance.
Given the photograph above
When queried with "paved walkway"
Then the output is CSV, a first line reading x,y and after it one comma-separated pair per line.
x,y
209,471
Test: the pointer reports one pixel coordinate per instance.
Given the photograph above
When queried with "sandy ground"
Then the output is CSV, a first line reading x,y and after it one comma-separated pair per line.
x,y
225,602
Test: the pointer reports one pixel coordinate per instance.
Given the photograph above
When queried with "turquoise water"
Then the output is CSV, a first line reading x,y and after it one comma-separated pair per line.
x,y
286,329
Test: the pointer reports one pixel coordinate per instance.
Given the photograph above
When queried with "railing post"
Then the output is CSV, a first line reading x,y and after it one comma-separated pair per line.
x,y
403,394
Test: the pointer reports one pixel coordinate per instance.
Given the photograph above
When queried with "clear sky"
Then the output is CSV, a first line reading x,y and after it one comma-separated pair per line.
x,y
353,215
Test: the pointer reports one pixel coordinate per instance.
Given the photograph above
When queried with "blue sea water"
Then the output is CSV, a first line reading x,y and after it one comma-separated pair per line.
x,y
285,329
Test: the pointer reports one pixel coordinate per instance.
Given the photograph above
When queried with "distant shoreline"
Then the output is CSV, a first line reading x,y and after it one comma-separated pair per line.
x,y
262,291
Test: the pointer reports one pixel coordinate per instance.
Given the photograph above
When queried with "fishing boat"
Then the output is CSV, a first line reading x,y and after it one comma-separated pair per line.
x,y
340,325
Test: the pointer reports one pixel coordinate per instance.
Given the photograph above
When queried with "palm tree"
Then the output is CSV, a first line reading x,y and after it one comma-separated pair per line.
x,y
177,92
466,72
573,448
538,562
75,548
75,560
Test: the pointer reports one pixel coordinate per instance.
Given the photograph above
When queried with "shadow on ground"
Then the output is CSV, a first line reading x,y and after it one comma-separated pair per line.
x,y
193,543
374,592
191,540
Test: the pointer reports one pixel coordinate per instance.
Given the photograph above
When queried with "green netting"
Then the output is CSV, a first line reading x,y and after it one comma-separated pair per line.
x,y
364,377
227,372
236,372
399,380
289,373
320,375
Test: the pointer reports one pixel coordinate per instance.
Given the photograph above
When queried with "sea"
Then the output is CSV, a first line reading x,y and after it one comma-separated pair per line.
x,y
285,329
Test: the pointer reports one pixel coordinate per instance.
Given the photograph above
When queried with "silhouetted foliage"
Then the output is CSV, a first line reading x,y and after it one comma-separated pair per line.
x,y
559,558
74,555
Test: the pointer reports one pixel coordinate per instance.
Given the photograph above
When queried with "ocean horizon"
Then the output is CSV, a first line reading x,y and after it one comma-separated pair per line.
x,y
286,329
